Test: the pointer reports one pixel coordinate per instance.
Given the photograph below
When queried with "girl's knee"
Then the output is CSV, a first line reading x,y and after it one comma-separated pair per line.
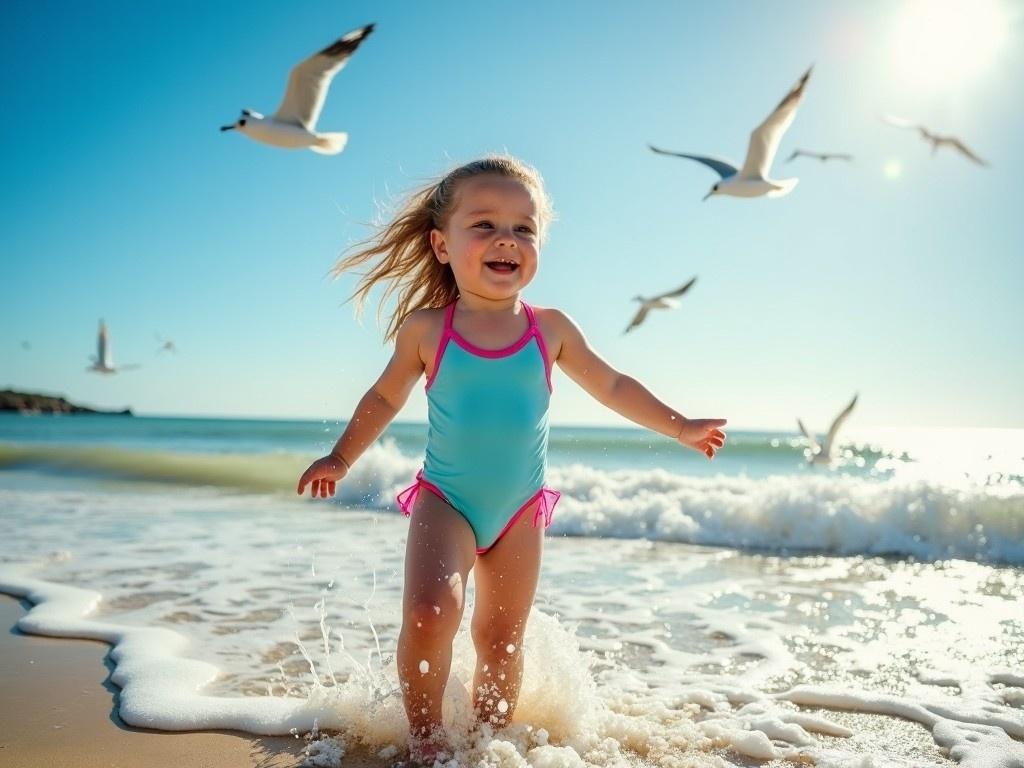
x,y
432,617
500,635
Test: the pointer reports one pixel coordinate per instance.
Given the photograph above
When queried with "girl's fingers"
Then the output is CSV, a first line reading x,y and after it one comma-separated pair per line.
x,y
303,482
315,488
331,486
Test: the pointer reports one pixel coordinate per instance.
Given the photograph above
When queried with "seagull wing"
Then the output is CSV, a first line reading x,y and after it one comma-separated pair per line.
x,y
810,438
677,292
310,79
637,318
834,429
764,141
956,143
723,168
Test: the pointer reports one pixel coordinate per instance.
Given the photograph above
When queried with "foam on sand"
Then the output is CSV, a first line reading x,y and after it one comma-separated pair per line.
x,y
569,714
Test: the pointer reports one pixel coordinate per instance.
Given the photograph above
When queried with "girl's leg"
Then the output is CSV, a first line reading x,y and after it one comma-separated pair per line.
x,y
439,554
506,581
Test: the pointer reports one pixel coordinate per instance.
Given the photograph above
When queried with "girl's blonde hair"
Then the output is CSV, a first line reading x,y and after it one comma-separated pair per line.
x,y
401,253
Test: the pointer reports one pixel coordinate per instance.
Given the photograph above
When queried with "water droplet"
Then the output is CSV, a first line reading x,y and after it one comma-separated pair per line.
x,y
510,648
503,706
424,666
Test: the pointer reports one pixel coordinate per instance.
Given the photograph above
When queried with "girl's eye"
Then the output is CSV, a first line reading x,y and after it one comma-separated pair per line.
x,y
525,229
483,224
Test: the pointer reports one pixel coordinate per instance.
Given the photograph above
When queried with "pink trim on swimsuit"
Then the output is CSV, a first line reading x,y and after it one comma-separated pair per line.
x,y
547,499
450,334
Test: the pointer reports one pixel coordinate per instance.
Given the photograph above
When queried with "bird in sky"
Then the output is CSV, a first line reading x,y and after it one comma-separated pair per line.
x,y
664,301
823,156
935,139
103,362
166,345
822,454
752,179
293,126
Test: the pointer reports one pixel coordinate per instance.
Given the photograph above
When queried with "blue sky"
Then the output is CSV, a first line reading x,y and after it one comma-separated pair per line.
x,y
898,276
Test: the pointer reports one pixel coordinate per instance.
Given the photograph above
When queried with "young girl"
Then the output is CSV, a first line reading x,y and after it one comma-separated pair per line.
x,y
459,254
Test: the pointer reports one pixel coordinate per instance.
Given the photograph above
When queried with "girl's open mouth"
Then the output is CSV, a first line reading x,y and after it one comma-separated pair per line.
x,y
502,266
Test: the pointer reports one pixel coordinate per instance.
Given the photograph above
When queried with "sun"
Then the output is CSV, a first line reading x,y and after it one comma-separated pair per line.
x,y
942,43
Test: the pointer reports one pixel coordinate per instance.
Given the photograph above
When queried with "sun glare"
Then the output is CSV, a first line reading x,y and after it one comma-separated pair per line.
x,y
940,43
892,169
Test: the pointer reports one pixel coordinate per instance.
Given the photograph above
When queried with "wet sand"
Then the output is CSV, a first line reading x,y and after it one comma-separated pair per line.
x,y
58,708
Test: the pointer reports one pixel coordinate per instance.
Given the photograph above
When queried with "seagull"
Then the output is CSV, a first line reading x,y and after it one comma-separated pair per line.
x,y
823,156
822,454
293,126
103,362
664,301
936,139
166,345
752,180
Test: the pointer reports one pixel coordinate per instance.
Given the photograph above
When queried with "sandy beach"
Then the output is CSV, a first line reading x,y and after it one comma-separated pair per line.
x,y
60,710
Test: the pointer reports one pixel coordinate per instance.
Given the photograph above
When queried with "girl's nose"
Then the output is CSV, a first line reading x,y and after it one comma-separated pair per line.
x,y
506,238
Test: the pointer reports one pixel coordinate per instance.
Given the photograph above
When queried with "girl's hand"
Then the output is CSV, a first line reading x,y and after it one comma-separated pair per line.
x,y
702,435
323,475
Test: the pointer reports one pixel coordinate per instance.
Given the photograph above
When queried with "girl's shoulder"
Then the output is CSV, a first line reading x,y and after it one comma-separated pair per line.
x,y
424,327
555,325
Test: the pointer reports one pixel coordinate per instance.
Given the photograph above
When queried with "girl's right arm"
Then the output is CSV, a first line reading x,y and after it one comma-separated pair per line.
x,y
376,409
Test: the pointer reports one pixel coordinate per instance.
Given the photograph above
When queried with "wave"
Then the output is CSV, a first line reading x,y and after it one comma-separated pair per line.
x,y
832,514
266,472
823,512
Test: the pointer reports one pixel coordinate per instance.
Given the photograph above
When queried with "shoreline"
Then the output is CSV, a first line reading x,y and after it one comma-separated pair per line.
x,y
60,710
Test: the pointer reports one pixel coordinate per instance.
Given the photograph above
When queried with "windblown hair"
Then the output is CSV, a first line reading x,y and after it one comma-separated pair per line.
x,y
400,253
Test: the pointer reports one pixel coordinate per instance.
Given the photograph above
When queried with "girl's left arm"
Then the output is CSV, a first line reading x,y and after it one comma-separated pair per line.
x,y
627,396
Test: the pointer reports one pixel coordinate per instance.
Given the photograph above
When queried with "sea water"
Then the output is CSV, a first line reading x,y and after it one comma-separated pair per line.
x,y
751,610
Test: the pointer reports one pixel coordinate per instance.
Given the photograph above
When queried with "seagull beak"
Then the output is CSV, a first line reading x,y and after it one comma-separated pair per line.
x,y
227,128
709,194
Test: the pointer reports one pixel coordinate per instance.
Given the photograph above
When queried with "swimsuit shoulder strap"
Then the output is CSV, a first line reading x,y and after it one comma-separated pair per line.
x,y
530,316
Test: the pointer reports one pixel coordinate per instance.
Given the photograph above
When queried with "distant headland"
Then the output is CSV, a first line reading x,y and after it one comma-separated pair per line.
x,y
27,402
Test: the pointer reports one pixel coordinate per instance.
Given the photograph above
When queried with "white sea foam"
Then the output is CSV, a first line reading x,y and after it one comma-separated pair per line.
x,y
843,515
647,639
906,513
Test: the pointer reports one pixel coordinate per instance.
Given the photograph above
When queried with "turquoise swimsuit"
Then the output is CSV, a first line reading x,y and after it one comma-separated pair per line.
x,y
487,441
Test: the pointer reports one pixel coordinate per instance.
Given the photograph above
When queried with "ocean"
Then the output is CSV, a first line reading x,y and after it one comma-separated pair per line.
x,y
753,610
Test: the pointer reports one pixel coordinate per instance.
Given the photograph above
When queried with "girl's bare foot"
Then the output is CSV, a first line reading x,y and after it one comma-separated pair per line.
x,y
425,751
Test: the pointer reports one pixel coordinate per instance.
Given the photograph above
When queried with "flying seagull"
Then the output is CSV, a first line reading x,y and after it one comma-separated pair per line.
x,y
752,180
166,345
822,454
293,126
664,301
103,362
935,139
823,156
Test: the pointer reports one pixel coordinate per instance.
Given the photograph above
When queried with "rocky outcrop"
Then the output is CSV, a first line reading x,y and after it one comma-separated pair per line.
x,y
27,402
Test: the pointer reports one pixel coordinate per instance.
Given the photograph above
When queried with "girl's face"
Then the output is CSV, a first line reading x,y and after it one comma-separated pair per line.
x,y
492,237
